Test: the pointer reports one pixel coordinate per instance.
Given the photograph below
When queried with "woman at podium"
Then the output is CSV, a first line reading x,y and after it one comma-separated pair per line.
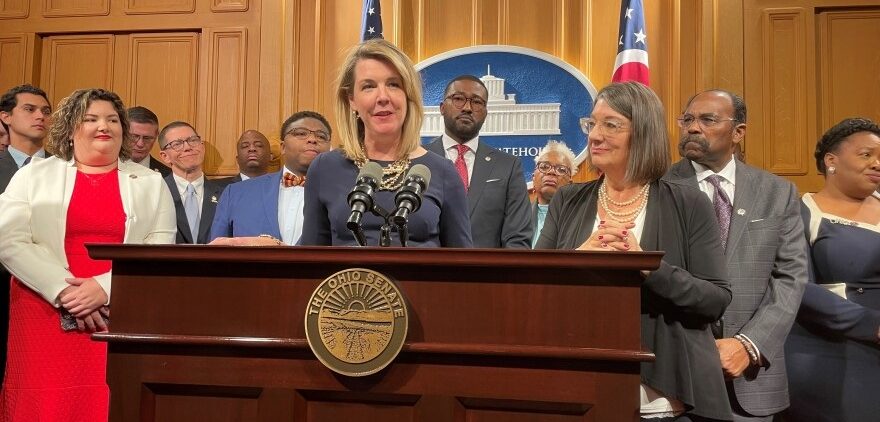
x,y
87,192
379,108
630,208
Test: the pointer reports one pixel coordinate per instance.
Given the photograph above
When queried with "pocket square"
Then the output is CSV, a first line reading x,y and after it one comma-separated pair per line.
x,y
755,221
492,180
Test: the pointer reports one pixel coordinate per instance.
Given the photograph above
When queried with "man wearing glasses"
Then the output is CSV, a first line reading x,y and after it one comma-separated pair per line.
x,y
554,167
498,201
195,197
269,209
144,129
756,211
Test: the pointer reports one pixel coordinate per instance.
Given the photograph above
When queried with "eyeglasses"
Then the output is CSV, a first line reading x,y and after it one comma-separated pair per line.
x,y
177,145
606,127
559,169
137,138
459,102
302,134
706,121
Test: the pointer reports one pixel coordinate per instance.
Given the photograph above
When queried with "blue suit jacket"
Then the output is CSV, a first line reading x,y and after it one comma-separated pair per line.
x,y
248,208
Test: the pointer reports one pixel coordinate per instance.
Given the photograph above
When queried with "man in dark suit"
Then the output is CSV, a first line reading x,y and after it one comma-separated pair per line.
x,y
195,197
272,204
24,116
144,129
763,237
498,201
253,154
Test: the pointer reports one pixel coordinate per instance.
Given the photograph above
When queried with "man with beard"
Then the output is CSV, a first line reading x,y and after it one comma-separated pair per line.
x,y
144,128
498,201
554,167
763,237
269,208
195,197
253,154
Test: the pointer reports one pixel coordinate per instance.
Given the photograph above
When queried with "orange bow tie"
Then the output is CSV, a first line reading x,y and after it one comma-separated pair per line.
x,y
291,179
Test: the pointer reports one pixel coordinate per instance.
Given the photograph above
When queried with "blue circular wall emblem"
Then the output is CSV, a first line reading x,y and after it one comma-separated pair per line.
x,y
533,97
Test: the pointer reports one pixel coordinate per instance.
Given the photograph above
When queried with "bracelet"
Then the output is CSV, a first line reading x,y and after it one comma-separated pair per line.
x,y
753,355
273,238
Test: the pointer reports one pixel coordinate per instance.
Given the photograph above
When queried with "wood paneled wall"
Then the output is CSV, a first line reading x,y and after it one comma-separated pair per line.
x,y
231,65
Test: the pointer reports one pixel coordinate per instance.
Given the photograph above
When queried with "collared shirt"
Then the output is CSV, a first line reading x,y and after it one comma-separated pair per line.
x,y
19,156
198,184
244,176
290,211
728,179
539,224
450,146
728,183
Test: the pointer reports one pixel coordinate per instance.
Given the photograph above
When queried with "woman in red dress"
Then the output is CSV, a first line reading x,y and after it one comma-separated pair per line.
x,y
85,193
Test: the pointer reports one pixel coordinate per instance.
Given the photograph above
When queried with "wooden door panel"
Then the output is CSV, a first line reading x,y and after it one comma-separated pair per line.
x,y
163,72
72,62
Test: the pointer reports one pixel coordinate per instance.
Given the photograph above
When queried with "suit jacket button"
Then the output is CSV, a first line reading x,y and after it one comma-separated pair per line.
x,y
860,290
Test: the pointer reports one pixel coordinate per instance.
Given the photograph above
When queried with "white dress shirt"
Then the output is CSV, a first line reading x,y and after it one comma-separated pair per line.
x,y
450,146
198,184
290,211
19,156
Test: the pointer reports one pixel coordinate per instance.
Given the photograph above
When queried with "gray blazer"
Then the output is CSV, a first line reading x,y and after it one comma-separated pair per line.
x,y
767,265
498,200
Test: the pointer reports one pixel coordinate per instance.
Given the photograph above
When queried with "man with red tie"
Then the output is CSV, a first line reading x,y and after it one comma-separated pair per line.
x,y
271,205
498,201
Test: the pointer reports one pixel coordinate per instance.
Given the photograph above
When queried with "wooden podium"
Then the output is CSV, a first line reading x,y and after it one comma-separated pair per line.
x,y
209,333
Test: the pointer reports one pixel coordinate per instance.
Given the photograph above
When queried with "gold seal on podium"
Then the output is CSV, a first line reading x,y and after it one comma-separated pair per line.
x,y
356,322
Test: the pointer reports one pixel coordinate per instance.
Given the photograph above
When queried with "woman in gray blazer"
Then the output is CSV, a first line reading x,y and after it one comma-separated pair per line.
x,y
631,209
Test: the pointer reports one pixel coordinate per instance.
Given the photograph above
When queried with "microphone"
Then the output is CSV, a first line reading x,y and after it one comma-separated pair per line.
x,y
409,198
360,199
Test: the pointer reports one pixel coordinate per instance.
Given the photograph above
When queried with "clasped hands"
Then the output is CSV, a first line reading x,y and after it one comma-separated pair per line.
x,y
612,236
85,300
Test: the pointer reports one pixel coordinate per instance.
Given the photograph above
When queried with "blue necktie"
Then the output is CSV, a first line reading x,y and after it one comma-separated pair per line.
x,y
191,207
26,161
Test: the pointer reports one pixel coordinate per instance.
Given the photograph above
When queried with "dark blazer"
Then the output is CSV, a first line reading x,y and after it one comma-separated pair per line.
x,y
157,165
680,299
767,264
226,181
7,169
213,190
249,208
498,200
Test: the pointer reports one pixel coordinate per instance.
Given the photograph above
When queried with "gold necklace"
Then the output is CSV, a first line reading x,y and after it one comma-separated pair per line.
x,y
392,174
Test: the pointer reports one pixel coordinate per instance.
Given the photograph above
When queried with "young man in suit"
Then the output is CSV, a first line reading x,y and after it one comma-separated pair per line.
x,y
195,197
763,237
498,201
253,154
25,116
144,128
272,204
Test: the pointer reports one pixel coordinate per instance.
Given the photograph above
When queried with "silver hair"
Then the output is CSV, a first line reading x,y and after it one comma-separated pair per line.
x,y
560,148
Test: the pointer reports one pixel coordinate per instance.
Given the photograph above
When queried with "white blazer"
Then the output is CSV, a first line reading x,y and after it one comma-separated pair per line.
x,y
33,220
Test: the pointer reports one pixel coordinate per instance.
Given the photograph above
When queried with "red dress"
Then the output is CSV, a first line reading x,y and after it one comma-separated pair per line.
x,y
51,374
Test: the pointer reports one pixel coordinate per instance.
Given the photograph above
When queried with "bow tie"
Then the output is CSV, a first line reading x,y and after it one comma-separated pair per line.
x,y
291,179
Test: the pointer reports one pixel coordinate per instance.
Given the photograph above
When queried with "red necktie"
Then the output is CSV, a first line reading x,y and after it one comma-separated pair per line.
x,y
291,179
461,165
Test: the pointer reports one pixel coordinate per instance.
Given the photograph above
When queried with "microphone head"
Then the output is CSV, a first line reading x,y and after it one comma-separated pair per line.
x,y
371,170
422,171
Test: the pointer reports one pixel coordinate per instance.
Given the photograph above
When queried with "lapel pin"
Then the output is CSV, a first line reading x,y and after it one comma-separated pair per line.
x,y
741,211
213,199
133,176
488,158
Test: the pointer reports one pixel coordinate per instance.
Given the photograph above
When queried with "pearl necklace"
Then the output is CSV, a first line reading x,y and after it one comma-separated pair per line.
x,y
628,216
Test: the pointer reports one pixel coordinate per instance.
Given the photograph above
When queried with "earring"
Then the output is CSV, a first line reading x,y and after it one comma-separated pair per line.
x,y
70,142
832,170
356,116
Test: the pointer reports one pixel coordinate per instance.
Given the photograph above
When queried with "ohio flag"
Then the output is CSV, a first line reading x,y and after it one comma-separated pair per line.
x,y
632,45
371,22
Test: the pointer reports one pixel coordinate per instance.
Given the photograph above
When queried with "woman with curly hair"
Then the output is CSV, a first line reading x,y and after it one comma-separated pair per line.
x,y
833,350
87,192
